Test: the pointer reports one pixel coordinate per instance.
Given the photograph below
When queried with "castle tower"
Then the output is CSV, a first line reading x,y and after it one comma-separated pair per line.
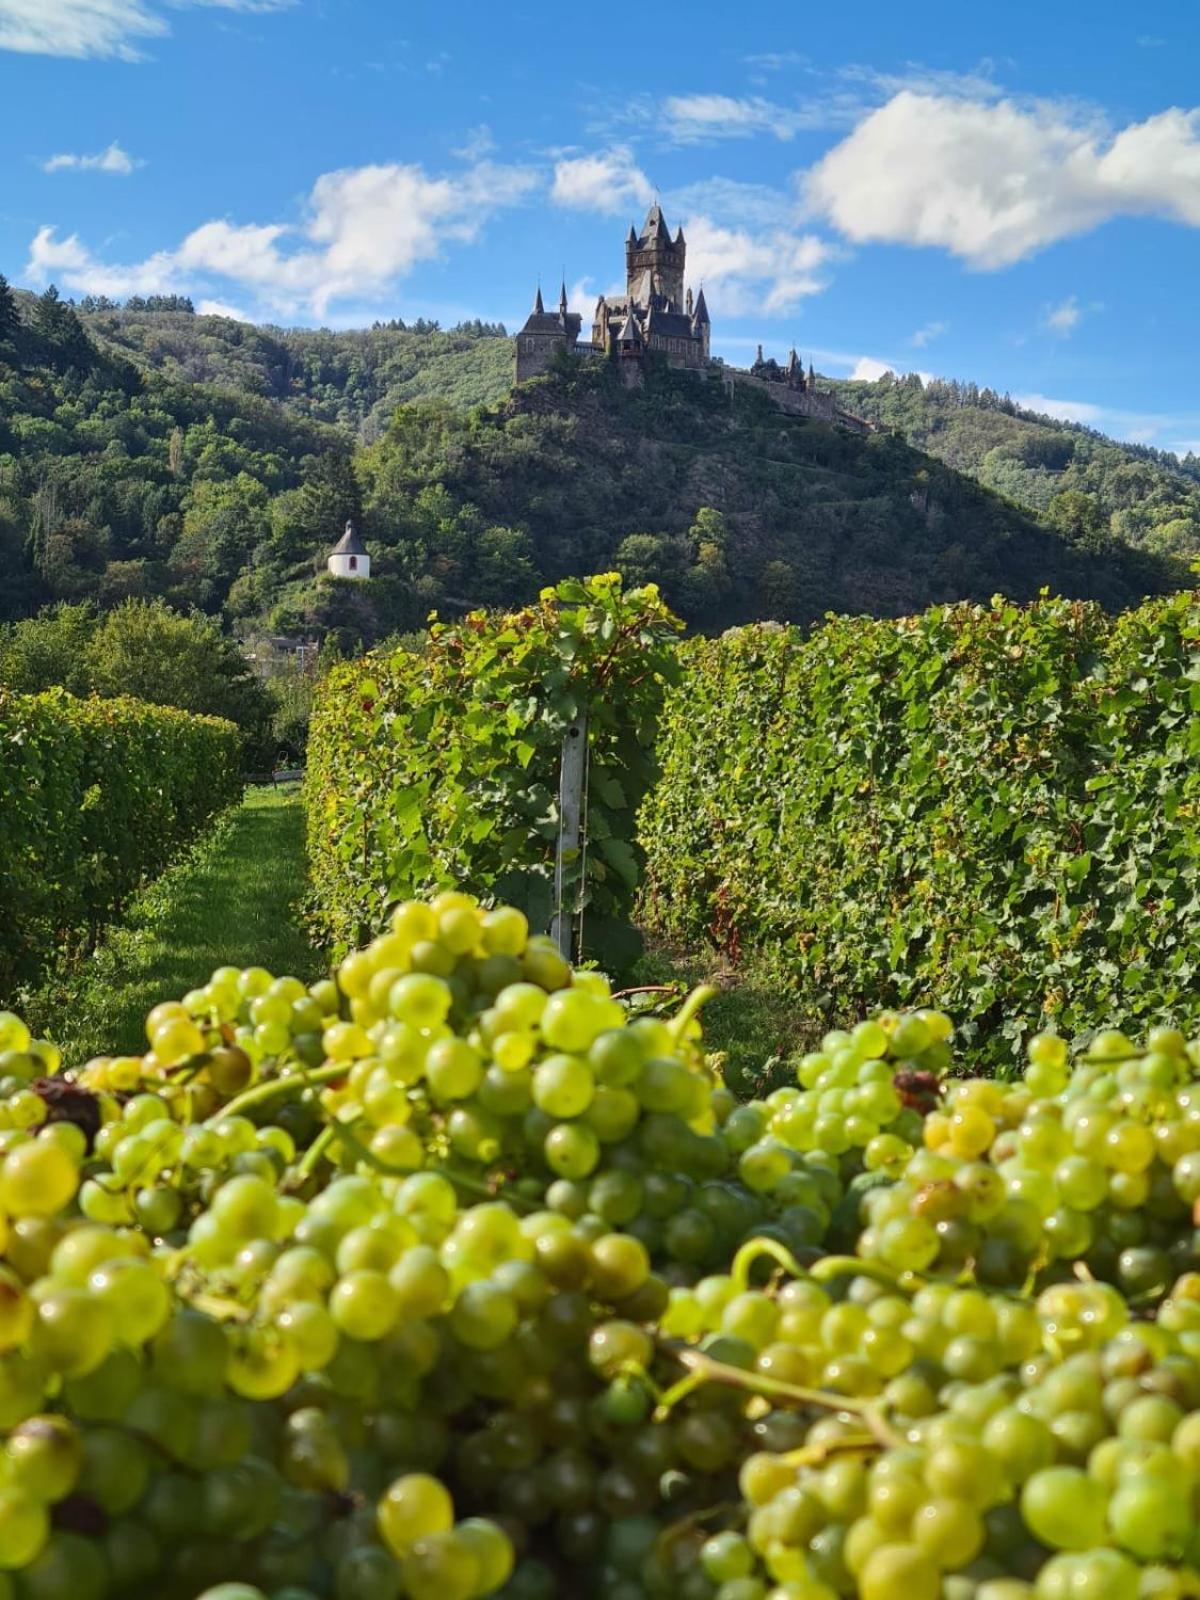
x,y
701,325
545,333
655,263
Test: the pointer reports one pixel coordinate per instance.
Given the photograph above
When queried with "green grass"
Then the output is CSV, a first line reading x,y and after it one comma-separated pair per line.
x,y
229,900
752,1020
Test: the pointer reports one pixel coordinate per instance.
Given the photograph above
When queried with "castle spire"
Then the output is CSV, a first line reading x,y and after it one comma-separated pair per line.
x,y
562,299
701,311
538,307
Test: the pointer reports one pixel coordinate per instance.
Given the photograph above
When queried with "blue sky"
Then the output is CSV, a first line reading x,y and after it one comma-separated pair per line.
x,y
1009,194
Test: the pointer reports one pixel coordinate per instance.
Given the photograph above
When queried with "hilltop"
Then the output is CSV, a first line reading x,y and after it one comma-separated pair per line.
x,y
356,378
157,452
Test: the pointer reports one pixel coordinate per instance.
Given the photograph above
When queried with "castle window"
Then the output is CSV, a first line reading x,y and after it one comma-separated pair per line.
x,y
353,563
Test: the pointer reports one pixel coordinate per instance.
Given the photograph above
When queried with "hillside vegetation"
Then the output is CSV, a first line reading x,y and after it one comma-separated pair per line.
x,y
153,453
1087,485
357,378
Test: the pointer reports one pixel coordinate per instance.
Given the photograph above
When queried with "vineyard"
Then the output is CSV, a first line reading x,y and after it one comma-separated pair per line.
x,y
95,796
995,807
462,1271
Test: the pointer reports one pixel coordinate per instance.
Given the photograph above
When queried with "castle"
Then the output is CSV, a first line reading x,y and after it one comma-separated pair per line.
x,y
658,316
654,314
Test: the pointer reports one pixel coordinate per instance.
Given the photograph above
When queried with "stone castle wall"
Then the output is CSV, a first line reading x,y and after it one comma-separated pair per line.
x,y
800,401
535,353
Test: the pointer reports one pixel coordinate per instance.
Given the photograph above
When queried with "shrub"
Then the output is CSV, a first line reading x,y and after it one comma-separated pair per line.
x,y
95,796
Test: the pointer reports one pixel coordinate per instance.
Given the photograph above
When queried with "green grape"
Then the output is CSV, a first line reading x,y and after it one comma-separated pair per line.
x,y
1065,1508
414,1507
24,1527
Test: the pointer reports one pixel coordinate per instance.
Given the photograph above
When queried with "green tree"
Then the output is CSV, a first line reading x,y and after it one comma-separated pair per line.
x,y
146,649
48,650
9,320
1080,517
329,498
58,325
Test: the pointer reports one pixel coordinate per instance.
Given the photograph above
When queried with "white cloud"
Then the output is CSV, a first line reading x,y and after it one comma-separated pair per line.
x,y
365,228
218,308
869,369
477,144
119,163
692,118
1063,318
927,334
97,28
744,273
1069,410
775,60
976,85
994,183
608,181
748,204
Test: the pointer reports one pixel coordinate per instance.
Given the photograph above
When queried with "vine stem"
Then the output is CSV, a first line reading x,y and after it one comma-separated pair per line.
x,y
699,997
308,1162
702,1368
277,1088
861,1267
344,1132
753,1250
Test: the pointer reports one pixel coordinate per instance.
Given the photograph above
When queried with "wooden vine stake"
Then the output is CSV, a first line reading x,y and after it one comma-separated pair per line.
x,y
567,886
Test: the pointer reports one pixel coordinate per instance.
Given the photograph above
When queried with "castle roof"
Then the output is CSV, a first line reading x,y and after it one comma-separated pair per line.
x,y
540,320
349,544
670,324
701,312
654,231
629,332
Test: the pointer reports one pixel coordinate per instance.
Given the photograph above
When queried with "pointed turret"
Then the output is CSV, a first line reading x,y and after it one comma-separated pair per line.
x,y
680,241
794,367
758,360
562,299
700,314
539,310
633,238
812,377
629,335
655,223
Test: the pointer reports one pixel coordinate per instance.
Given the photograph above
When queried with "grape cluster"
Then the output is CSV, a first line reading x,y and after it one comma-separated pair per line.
x,y
448,1277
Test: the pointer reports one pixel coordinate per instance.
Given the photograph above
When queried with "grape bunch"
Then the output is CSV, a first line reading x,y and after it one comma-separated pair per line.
x,y
447,1276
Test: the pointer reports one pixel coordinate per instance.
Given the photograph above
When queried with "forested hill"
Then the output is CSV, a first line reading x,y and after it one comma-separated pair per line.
x,y
355,377
358,377
214,463
1082,482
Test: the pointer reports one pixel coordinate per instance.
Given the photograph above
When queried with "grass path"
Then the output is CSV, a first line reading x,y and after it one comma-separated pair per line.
x,y
229,901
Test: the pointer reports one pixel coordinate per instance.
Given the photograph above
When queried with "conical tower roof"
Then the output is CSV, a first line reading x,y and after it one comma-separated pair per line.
x,y
629,332
349,544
